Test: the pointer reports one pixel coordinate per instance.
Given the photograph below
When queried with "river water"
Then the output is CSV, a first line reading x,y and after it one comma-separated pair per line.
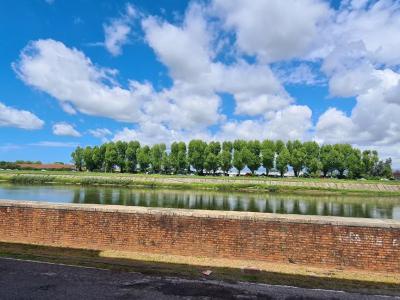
x,y
345,206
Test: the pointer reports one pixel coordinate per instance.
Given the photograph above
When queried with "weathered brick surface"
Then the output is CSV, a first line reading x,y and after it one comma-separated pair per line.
x,y
341,242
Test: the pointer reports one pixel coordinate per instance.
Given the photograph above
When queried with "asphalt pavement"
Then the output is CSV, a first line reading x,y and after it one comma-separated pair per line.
x,y
20,279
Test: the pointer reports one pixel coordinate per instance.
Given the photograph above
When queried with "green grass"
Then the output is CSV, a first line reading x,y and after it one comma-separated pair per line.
x,y
102,174
156,181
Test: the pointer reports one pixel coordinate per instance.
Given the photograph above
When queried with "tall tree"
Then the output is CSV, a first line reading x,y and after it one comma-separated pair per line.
x,y
312,152
342,163
282,161
197,155
88,159
225,160
238,160
121,153
131,156
97,158
369,160
355,166
267,155
111,157
143,158
212,162
178,157
328,159
279,146
156,154
251,155
166,165
297,156
77,158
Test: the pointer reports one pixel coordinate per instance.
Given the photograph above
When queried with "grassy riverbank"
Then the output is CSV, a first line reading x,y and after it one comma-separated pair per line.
x,y
222,269
247,184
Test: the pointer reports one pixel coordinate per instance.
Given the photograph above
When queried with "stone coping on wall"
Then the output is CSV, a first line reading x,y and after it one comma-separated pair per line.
x,y
196,213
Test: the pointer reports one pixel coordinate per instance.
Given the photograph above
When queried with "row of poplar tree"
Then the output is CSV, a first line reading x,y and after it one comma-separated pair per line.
x,y
308,158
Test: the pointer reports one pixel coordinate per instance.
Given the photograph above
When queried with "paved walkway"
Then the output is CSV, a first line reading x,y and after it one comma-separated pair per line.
x,y
36,280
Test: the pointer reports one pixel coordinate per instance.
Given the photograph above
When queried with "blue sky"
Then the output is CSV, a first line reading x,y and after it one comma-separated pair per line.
x,y
84,72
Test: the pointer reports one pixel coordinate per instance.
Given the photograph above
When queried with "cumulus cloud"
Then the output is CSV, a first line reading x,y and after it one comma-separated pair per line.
x,y
116,33
272,30
12,117
291,123
250,50
66,129
100,132
70,77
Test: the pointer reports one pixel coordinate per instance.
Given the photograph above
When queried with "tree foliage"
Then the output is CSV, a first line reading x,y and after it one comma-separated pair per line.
x,y
304,159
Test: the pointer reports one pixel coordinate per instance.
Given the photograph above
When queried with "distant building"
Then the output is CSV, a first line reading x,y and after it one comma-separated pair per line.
x,y
396,175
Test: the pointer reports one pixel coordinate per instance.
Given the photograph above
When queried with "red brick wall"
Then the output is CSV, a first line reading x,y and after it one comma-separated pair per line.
x,y
342,242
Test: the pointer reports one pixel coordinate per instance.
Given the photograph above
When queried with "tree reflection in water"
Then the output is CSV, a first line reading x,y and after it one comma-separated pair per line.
x,y
346,206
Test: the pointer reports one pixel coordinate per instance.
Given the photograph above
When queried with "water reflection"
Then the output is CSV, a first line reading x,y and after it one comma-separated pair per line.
x,y
363,207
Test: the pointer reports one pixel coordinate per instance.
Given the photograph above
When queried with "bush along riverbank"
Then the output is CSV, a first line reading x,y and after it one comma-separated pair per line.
x,y
206,183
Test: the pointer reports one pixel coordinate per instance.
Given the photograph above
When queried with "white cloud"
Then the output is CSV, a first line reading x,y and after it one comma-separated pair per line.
x,y
249,50
70,77
100,132
373,121
298,75
63,128
254,87
272,30
12,117
118,30
54,144
293,122
376,24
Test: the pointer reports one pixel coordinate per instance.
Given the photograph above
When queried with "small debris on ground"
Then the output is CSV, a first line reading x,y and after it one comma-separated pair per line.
x,y
206,272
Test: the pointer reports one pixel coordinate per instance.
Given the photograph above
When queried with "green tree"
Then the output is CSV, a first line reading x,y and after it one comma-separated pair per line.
x,y
279,146
342,162
369,160
156,155
77,158
225,160
251,155
239,145
267,155
197,155
121,154
238,160
88,159
227,146
111,157
297,156
143,158
282,161
131,156
329,159
312,152
178,157
166,164
314,167
355,166
98,158
212,162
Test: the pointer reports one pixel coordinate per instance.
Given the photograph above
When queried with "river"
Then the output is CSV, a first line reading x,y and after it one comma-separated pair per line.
x,y
331,205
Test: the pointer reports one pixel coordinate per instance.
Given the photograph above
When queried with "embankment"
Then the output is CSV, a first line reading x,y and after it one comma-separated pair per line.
x,y
364,244
224,184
